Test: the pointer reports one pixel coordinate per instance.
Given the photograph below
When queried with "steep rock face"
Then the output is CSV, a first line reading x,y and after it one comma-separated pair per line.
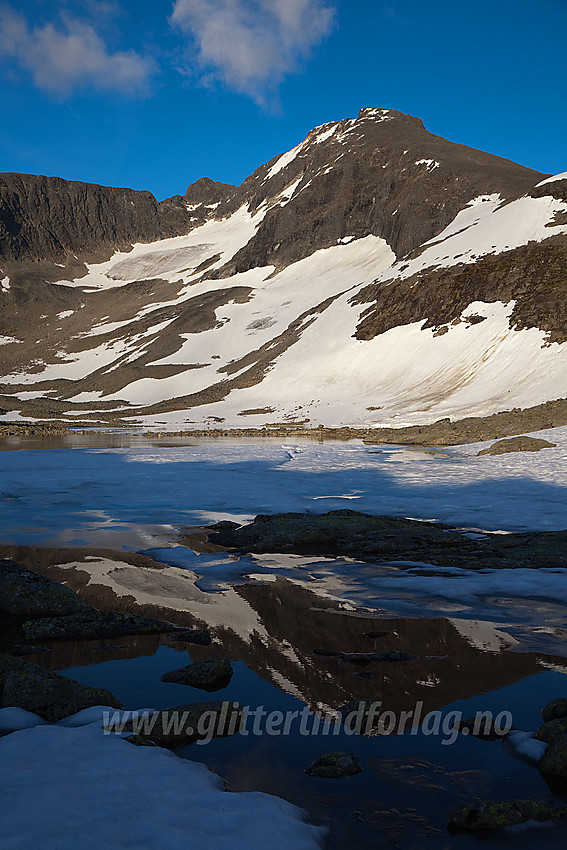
x,y
533,276
382,173
46,217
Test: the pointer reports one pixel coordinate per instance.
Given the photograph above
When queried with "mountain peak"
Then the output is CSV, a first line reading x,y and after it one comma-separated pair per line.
x,y
375,114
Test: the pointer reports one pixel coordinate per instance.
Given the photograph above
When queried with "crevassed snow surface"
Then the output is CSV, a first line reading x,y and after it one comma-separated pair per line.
x,y
70,788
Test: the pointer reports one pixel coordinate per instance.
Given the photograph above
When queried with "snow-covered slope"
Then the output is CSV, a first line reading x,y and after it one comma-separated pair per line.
x,y
374,274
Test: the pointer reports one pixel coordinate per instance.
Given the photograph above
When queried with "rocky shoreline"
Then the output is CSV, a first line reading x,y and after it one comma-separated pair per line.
x,y
444,432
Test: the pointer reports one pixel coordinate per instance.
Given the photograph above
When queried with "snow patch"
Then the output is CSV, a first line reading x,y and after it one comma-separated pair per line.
x,y
56,782
562,176
431,163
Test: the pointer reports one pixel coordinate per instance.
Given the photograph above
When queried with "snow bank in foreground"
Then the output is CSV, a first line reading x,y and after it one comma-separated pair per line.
x,y
77,789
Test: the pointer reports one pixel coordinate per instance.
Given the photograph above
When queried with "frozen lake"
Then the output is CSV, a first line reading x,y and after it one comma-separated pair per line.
x,y
106,513
128,493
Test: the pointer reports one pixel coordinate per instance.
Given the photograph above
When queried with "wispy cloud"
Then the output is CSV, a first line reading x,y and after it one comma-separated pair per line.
x,y
252,45
71,57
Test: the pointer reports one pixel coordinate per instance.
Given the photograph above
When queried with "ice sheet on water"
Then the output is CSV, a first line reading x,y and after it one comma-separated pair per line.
x,y
141,497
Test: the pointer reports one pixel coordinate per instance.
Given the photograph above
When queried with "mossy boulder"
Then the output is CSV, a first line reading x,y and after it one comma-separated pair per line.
x,y
48,694
495,814
552,730
517,444
554,709
208,675
92,624
554,761
184,724
26,594
335,765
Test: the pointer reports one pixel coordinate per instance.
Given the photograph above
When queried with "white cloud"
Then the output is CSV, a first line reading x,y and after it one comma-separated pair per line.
x,y
252,45
61,60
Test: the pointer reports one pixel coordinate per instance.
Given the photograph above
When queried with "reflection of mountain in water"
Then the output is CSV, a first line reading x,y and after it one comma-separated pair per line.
x,y
275,628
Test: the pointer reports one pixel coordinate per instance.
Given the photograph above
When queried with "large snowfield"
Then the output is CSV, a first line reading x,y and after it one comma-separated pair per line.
x,y
321,374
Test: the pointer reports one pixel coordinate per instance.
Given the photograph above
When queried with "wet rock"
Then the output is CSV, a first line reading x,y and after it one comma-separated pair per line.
x,y
335,765
494,814
93,624
364,674
184,724
552,730
201,637
554,761
24,593
517,444
208,675
554,709
376,635
48,694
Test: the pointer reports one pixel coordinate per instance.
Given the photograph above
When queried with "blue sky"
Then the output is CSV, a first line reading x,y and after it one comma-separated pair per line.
x,y
154,95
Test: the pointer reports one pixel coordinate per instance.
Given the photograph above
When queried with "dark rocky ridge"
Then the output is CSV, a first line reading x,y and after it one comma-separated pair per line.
x,y
47,217
535,276
364,178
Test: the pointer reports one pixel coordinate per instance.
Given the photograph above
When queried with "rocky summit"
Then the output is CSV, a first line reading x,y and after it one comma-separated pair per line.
x,y
374,275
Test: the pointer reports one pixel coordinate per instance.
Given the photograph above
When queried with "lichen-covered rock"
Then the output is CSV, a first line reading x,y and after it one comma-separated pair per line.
x,y
184,724
48,694
200,637
24,593
495,814
517,444
208,675
93,624
335,765
554,709
335,531
552,730
374,539
554,762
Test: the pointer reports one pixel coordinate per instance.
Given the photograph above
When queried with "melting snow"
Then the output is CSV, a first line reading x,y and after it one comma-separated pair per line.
x,y
76,787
